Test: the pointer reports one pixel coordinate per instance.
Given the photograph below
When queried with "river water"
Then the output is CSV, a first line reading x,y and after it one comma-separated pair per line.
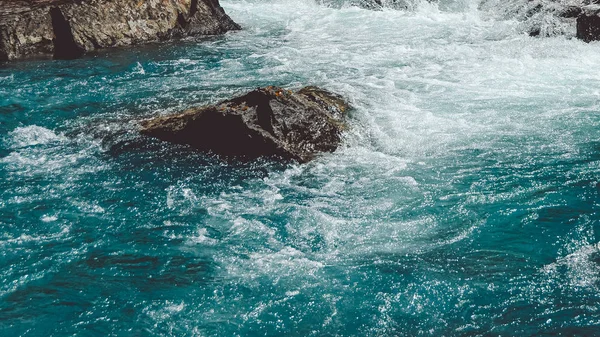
x,y
463,202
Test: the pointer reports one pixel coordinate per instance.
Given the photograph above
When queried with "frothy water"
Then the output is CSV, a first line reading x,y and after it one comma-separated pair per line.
x,y
463,201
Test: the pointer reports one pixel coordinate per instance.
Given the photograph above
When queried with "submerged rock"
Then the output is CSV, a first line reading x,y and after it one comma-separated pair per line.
x,y
406,5
69,28
265,122
372,4
542,18
588,24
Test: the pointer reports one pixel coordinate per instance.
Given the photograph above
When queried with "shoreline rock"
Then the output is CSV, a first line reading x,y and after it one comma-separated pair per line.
x,y
68,29
267,122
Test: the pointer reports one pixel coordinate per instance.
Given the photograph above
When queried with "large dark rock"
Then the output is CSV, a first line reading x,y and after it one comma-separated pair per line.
x,y
69,28
588,24
270,122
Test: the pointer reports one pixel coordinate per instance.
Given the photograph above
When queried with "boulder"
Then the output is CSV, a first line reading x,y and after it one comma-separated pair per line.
x,y
267,122
69,28
588,23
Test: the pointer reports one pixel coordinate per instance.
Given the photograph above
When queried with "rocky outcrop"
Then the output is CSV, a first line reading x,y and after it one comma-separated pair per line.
x,y
588,24
268,122
67,29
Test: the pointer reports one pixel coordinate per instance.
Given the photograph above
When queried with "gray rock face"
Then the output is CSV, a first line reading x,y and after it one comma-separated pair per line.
x,y
267,122
69,28
588,24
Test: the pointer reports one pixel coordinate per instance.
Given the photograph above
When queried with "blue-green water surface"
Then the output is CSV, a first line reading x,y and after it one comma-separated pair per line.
x,y
463,202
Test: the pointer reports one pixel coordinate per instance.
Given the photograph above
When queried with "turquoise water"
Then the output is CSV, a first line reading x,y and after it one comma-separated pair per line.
x,y
464,201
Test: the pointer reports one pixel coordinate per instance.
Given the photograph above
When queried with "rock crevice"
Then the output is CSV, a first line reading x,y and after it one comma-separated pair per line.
x,y
65,46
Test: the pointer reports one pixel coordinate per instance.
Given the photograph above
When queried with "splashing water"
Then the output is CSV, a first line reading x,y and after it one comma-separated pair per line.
x,y
464,201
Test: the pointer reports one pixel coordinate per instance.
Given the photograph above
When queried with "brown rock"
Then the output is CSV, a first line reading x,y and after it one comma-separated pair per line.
x,y
67,29
271,122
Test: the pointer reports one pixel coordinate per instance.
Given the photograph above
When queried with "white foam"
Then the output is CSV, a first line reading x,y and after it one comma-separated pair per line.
x,y
49,218
203,238
582,271
139,69
33,135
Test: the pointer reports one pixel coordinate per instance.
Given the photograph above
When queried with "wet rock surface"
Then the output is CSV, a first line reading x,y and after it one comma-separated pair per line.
x,y
267,122
67,29
588,24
